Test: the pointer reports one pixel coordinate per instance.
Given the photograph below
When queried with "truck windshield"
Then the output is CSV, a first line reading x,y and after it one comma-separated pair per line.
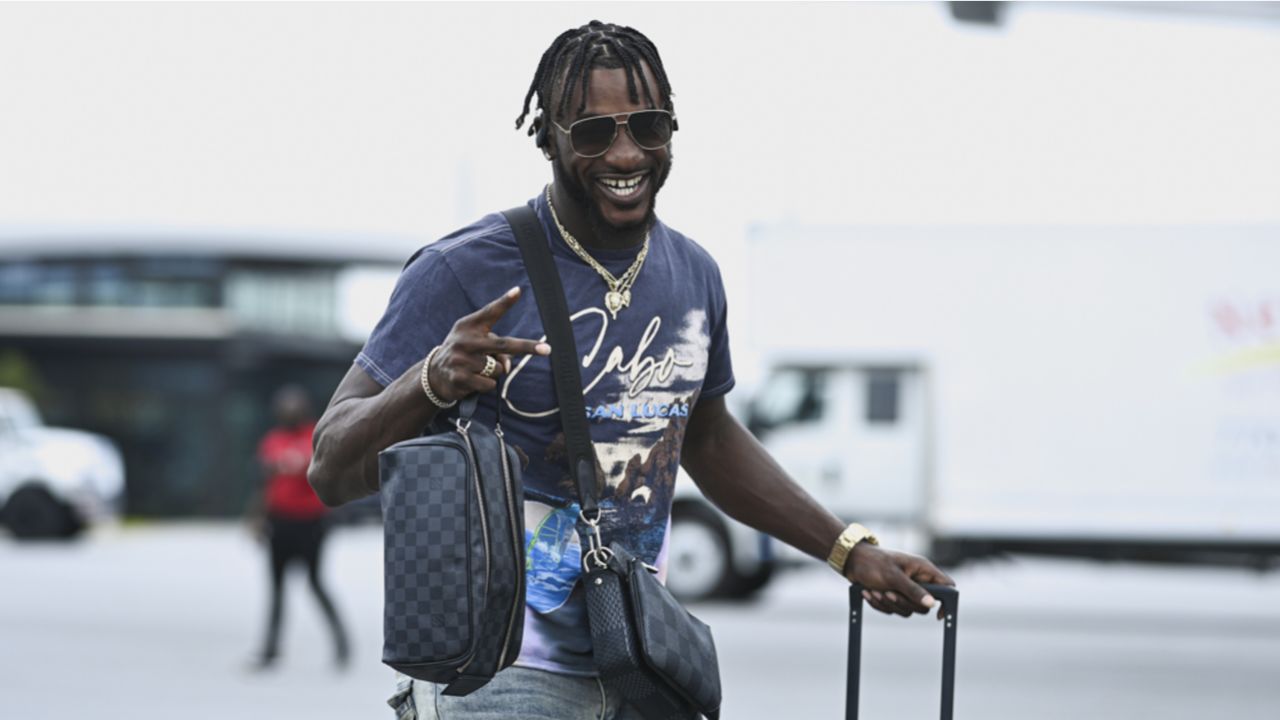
x,y
792,395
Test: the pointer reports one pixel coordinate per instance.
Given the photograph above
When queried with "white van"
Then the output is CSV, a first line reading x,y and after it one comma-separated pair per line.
x,y
53,481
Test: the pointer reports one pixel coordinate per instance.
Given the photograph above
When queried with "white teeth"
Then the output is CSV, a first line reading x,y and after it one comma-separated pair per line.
x,y
620,187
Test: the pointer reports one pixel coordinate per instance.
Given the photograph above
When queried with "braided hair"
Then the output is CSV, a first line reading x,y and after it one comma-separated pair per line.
x,y
571,58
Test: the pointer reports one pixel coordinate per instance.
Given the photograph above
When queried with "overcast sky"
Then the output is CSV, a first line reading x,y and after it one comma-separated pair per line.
x,y
393,123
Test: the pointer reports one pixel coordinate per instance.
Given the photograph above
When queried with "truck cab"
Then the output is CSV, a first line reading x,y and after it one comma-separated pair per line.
x,y
852,432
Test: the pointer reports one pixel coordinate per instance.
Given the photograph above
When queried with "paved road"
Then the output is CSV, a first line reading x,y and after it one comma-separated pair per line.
x,y
158,622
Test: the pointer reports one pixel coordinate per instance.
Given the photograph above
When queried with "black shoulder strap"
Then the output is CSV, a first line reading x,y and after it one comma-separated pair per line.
x,y
549,293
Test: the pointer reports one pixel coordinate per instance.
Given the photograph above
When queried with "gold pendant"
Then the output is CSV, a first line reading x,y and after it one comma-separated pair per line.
x,y
613,300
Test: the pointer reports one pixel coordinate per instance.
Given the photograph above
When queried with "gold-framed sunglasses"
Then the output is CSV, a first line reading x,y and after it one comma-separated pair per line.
x,y
592,137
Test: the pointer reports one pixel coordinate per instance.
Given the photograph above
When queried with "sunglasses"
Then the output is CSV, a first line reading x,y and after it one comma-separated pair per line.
x,y
592,137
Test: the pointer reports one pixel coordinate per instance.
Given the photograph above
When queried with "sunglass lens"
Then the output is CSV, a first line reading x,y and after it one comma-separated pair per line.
x,y
651,129
593,136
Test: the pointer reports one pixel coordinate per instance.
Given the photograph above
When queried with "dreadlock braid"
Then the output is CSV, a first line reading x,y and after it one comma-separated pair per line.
x,y
633,71
572,56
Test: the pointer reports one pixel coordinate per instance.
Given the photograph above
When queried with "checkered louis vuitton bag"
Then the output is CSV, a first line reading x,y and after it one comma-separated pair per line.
x,y
453,515
647,647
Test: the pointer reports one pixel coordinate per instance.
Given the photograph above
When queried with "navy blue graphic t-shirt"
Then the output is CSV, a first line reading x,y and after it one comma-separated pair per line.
x,y
642,374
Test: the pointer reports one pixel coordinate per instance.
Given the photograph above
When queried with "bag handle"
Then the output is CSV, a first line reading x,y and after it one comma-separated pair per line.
x,y
466,410
549,293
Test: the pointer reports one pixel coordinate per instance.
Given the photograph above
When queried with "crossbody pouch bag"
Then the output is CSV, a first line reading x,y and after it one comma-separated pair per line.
x,y
647,647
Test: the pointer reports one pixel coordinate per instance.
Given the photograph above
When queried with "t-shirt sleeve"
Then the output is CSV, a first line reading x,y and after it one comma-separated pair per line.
x,y
425,304
719,379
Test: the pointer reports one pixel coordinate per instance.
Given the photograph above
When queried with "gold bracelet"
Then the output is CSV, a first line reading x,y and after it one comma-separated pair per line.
x,y
426,386
851,536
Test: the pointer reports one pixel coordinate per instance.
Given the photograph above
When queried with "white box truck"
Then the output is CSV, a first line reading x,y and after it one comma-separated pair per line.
x,y
1108,392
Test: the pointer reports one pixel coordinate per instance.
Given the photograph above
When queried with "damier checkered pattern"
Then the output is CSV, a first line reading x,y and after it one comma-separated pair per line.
x,y
454,584
620,657
428,563
677,645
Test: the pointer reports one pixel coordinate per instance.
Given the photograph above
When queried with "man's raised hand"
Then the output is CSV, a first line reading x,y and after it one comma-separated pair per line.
x,y
457,369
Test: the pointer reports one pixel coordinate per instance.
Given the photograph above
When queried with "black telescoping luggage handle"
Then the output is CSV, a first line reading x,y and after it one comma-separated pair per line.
x,y
950,599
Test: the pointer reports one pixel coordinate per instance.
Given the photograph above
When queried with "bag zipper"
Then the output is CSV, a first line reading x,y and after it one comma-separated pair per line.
x,y
517,544
484,527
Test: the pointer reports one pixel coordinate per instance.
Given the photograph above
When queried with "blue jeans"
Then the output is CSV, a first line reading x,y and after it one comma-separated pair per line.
x,y
516,692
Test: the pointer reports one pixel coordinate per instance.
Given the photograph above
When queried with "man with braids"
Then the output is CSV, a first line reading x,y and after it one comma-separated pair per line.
x,y
648,313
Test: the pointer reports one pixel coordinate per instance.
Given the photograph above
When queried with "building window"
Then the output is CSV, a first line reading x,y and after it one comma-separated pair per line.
x,y
290,302
183,282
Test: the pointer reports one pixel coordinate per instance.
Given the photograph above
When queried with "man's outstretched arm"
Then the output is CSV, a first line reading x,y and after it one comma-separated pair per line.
x,y
361,420
736,473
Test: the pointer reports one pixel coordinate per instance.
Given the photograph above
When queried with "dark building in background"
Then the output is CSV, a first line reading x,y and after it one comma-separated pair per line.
x,y
173,347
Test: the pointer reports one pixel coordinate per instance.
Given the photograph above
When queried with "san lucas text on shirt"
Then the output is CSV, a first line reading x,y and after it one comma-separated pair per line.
x,y
637,411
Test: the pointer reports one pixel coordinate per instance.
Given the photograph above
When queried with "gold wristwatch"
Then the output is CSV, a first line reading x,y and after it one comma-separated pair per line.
x,y
851,536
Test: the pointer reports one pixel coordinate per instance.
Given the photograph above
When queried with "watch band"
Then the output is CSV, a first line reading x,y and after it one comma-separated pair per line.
x,y
851,536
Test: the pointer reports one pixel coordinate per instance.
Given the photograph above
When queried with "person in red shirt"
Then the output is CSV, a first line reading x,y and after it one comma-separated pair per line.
x,y
291,518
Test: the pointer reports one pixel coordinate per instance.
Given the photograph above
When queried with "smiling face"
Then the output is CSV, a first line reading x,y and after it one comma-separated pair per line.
x,y
617,190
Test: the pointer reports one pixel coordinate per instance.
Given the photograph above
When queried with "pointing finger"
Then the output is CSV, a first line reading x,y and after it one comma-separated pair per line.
x,y
497,345
493,312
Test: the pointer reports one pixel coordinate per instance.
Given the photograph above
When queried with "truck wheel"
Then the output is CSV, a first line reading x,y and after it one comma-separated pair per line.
x,y
698,565
32,513
747,586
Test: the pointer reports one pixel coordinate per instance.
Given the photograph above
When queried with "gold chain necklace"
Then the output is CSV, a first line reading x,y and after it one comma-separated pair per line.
x,y
619,294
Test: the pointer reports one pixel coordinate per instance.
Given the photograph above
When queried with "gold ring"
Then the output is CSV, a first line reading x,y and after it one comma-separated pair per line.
x,y
490,365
